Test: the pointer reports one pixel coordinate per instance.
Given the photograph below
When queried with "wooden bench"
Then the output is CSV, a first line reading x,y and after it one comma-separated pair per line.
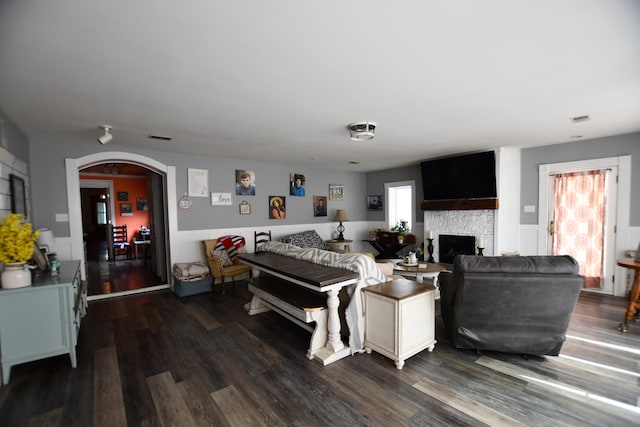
x,y
301,306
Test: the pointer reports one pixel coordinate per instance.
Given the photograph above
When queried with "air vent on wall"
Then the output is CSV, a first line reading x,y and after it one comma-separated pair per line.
x,y
162,138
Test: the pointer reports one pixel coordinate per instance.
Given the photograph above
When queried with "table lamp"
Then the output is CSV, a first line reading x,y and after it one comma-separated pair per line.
x,y
46,239
341,215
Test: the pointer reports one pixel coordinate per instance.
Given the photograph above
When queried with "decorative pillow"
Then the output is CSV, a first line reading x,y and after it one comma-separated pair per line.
x,y
221,256
306,239
231,244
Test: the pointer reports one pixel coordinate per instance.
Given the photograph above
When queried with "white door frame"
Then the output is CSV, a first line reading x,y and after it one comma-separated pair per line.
x,y
73,167
623,163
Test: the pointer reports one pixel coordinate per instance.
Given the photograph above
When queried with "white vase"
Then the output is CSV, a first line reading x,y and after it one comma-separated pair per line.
x,y
15,275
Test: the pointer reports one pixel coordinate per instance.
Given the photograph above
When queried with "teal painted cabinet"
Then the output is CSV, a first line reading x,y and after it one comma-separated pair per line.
x,y
41,320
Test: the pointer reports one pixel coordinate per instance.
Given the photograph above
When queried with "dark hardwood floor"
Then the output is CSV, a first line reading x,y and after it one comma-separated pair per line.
x,y
156,359
122,275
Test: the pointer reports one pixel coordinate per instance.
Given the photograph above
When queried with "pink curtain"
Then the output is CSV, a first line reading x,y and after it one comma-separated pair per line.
x,y
579,221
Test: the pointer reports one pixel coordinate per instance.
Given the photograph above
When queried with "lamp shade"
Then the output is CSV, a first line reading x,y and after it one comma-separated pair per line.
x,y
47,239
341,215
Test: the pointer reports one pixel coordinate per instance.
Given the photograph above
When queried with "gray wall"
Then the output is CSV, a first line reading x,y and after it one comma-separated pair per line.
x,y
49,187
17,142
375,186
619,145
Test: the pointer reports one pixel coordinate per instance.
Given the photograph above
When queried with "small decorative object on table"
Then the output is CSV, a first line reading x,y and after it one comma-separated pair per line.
x,y
430,247
480,246
16,248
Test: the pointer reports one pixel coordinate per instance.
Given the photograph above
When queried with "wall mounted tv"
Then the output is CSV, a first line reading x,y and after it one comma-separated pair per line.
x,y
468,176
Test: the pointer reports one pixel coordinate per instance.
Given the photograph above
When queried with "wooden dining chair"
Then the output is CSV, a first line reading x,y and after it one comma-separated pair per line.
x,y
261,237
120,241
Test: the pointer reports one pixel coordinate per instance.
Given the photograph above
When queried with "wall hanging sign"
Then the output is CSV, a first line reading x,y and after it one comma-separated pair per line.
x,y
198,182
245,208
185,203
220,199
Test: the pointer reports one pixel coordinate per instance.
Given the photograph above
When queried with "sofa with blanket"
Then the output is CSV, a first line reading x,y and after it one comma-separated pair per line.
x,y
510,304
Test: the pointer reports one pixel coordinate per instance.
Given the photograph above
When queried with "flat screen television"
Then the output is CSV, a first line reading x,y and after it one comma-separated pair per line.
x,y
468,176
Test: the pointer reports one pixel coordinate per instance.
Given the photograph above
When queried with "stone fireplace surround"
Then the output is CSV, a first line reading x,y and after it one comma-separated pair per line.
x,y
479,223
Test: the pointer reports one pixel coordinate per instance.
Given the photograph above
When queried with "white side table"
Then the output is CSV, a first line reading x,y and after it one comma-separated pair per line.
x,y
340,245
399,319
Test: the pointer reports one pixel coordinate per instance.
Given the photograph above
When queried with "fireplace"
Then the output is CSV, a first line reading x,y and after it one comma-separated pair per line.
x,y
451,245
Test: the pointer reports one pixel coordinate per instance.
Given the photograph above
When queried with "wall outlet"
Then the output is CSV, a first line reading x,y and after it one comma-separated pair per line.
x,y
530,208
62,217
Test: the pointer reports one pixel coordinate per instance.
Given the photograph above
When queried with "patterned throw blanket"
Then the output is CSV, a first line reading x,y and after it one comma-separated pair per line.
x,y
368,274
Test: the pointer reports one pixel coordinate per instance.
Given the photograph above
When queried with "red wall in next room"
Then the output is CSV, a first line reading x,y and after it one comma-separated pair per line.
x,y
136,188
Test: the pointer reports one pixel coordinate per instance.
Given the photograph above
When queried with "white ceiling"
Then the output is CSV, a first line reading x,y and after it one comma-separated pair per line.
x,y
281,80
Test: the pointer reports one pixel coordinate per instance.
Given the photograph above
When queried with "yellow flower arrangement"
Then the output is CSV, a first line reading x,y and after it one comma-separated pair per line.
x,y
16,239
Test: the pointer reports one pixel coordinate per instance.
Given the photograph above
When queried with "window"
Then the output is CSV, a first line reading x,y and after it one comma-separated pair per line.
x,y
101,209
400,205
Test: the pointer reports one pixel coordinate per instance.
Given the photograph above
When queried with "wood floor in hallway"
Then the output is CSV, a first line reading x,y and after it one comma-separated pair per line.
x,y
156,359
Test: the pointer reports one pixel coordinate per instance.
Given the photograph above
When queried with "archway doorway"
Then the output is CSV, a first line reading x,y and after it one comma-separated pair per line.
x,y
164,212
120,196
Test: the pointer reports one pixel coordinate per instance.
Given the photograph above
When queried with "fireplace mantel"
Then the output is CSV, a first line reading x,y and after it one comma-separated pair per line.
x,y
459,204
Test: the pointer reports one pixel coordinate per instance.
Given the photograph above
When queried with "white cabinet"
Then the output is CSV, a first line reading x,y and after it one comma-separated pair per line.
x,y
399,319
41,320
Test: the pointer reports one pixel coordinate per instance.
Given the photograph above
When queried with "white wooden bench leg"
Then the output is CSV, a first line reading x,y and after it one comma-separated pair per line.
x,y
334,343
319,334
256,306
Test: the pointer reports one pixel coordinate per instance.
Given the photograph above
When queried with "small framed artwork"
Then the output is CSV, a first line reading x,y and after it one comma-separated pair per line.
x,y
336,192
123,196
18,195
374,203
142,204
198,182
126,209
319,205
245,208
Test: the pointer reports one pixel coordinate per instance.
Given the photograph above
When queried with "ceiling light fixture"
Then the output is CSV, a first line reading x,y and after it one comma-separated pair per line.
x,y
362,131
107,136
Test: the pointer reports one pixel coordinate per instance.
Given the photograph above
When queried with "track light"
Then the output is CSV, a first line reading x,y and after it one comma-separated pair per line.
x,y
107,136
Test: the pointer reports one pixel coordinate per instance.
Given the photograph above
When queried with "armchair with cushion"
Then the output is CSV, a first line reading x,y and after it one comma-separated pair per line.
x,y
509,304
222,256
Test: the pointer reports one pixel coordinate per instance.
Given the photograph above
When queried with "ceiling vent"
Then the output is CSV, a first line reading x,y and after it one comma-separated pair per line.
x,y
362,131
162,138
578,119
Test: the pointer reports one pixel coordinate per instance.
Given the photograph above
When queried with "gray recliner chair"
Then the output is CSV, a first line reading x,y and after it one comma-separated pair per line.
x,y
518,304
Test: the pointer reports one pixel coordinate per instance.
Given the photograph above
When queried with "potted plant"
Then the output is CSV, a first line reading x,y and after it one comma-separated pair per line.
x,y
401,228
16,248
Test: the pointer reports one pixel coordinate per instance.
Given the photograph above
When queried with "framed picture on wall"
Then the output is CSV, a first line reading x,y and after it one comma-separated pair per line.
x,y
245,208
374,203
18,195
126,209
142,204
336,192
